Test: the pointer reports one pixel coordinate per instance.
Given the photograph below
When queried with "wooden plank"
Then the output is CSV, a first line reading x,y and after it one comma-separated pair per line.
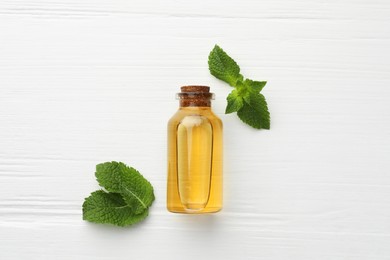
x,y
93,81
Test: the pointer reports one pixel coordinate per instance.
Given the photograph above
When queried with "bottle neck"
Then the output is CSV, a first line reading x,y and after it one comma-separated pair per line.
x,y
195,108
194,103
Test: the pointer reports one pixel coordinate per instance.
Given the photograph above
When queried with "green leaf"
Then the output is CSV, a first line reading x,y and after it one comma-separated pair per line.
x,y
235,102
255,86
246,100
134,188
110,208
255,111
223,67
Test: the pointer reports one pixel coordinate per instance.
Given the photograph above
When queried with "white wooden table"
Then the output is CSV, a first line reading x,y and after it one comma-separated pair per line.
x,y
83,82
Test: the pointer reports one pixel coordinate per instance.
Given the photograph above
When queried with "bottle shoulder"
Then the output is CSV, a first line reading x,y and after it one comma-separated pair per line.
x,y
207,113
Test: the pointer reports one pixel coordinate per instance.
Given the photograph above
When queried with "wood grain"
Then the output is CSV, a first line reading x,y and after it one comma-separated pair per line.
x,y
92,81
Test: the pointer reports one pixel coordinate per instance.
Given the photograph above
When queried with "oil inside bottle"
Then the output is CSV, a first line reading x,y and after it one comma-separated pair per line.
x,y
194,161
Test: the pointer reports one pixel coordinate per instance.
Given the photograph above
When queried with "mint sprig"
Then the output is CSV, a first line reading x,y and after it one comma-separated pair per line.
x,y
245,99
110,208
134,188
125,200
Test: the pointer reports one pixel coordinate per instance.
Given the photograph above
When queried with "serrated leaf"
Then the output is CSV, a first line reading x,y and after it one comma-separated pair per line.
x,y
134,188
255,111
255,86
110,208
235,102
249,104
223,67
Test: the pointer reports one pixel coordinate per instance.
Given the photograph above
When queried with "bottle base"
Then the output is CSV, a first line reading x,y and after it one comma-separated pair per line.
x,y
182,210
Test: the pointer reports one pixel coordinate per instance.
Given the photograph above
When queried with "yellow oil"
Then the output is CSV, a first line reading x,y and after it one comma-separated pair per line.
x,y
194,161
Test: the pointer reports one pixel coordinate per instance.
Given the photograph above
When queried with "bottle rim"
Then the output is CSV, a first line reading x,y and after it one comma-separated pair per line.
x,y
195,95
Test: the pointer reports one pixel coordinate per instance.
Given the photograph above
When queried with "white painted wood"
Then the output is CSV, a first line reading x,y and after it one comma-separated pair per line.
x,y
82,82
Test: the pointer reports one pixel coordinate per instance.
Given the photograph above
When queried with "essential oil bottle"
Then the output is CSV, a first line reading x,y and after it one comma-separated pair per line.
x,y
194,154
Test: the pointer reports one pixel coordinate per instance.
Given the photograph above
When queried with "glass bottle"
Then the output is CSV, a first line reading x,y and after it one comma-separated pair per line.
x,y
194,154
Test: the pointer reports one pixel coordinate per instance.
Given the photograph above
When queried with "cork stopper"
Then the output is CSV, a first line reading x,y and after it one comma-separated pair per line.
x,y
195,89
195,96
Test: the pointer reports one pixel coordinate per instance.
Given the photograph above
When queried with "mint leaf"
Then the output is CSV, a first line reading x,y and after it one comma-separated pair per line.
x,y
255,86
117,177
245,99
223,67
110,208
128,200
255,111
235,102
